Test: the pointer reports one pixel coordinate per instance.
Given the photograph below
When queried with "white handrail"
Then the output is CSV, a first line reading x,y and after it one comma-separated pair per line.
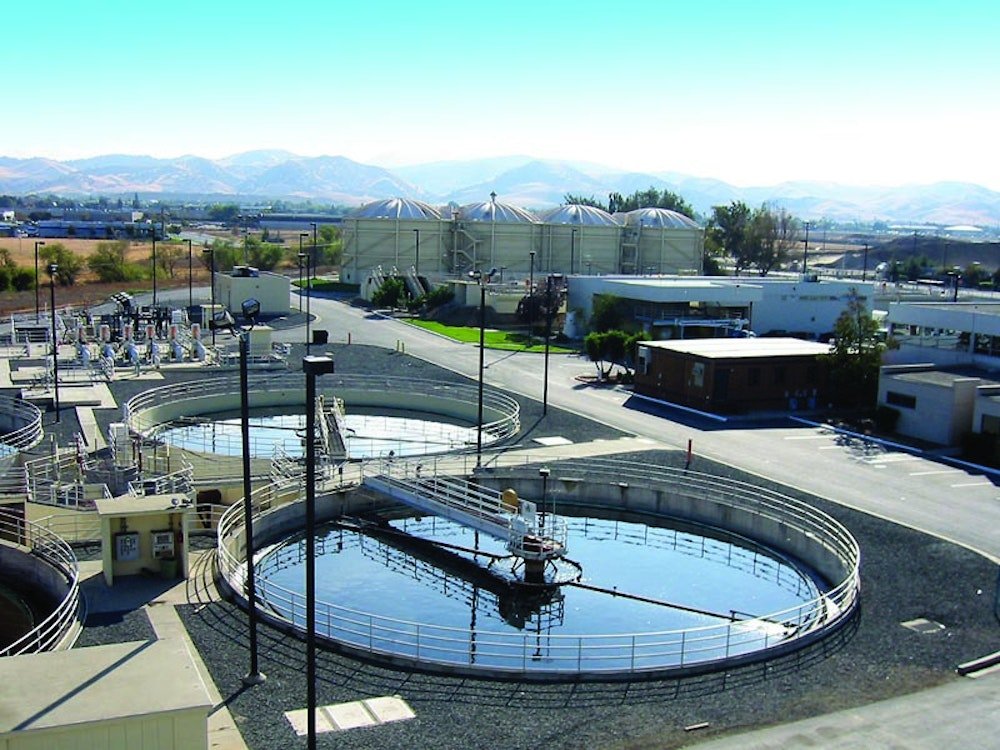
x,y
50,633
594,654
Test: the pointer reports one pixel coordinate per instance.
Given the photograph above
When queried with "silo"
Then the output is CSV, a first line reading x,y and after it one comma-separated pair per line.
x,y
579,239
492,234
386,234
660,241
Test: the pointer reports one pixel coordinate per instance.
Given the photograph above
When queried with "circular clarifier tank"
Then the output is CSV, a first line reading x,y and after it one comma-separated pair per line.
x,y
634,593
366,434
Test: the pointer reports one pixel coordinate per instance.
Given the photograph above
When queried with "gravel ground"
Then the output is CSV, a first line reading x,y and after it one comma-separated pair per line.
x,y
102,628
905,575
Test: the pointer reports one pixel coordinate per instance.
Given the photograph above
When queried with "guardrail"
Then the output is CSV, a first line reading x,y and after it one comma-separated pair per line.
x,y
25,421
142,411
51,632
564,656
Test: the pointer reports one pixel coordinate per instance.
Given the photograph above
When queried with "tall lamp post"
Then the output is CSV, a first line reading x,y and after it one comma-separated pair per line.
x,y
302,257
416,253
53,269
190,276
548,335
251,309
310,273
864,268
531,294
572,251
805,253
37,310
312,367
211,269
482,279
153,229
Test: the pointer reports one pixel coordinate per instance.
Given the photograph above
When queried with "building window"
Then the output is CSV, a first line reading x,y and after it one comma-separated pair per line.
x,y
991,424
753,376
904,400
642,361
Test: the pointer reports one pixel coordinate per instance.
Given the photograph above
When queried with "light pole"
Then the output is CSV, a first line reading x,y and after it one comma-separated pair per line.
x,y
572,251
37,310
310,273
482,279
53,269
153,229
416,254
251,309
190,276
531,295
864,268
805,253
211,259
548,335
312,367
544,474
302,255
531,272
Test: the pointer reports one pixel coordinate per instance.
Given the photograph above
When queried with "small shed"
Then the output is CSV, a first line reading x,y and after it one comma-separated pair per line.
x,y
144,534
734,375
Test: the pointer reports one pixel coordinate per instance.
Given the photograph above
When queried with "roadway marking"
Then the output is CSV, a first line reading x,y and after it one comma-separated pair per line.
x,y
829,447
935,471
974,484
894,458
808,437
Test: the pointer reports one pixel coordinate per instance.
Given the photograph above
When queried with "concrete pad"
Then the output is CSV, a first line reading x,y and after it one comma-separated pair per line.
x,y
299,721
552,441
348,715
89,429
340,717
390,708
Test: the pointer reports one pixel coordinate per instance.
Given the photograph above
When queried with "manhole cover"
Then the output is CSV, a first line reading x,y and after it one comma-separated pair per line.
x,y
923,625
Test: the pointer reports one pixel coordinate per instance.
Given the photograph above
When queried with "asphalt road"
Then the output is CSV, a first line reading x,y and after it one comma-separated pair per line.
x,y
958,504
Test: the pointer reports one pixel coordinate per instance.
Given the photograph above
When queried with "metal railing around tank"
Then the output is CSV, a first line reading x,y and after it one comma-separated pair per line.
x,y
25,421
562,656
141,411
52,632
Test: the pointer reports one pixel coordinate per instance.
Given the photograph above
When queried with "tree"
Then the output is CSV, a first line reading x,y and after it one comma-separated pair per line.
x,y
772,236
69,264
650,198
225,254
392,293
331,247
608,313
608,349
169,257
579,200
856,356
728,233
108,262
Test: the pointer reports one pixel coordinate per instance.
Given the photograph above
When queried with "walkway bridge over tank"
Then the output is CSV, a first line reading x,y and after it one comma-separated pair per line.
x,y
529,534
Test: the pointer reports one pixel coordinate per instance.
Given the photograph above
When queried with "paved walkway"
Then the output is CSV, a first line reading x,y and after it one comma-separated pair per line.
x,y
959,714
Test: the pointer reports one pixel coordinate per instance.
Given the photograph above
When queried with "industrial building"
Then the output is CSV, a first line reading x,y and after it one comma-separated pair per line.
x,y
734,375
675,307
401,234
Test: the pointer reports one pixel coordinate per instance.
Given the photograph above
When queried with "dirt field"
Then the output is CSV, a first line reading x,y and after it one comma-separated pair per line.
x,y
87,291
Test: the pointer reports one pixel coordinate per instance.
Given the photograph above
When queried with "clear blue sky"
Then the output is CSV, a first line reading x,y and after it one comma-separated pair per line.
x,y
750,92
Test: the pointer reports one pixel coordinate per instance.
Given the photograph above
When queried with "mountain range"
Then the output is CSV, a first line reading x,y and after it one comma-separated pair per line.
x,y
521,180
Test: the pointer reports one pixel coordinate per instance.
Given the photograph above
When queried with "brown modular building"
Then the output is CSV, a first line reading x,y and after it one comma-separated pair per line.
x,y
734,375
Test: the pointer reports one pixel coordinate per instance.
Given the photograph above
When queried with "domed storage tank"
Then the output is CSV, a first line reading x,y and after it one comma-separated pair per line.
x,y
579,239
385,233
492,234
658,241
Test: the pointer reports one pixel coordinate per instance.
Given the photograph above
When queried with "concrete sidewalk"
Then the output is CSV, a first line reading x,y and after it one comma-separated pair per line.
x,y
963,713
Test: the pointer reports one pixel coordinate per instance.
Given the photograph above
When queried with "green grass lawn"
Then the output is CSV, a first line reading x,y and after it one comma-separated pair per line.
x,y
512,341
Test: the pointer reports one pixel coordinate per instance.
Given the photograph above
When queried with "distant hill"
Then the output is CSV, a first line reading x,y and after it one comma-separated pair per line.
x,y
521,180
